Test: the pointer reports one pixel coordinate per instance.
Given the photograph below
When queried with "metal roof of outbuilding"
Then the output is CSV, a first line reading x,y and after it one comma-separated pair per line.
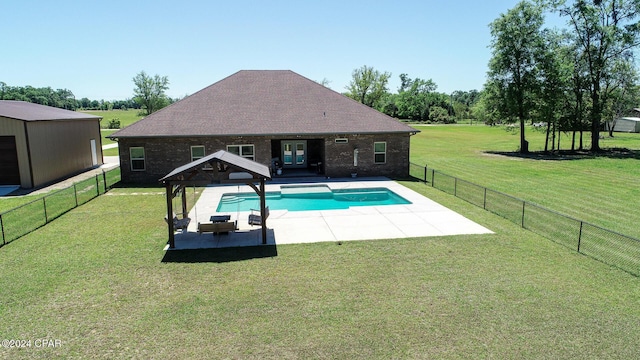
x,y
26,111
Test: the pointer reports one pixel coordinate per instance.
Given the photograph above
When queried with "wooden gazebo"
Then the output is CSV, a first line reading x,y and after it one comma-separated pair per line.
x,y
224,167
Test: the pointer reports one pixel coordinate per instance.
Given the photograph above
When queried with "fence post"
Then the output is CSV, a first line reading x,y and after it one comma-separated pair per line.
x,y
104,178
455,186
523,204
433,174
97,186
44,204
580,235
484,201
425,172
75,193
2,226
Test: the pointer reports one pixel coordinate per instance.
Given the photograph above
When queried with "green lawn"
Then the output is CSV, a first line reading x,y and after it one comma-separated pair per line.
x,y
95,280
600,190
23,214
10,202
107,141
126,117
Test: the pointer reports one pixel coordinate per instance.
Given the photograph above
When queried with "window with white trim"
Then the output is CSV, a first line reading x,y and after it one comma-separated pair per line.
x,y
380,152
197,152
137,159
246,151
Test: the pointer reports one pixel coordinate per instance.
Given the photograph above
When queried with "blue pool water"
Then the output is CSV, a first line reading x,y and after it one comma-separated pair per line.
x,y
301,198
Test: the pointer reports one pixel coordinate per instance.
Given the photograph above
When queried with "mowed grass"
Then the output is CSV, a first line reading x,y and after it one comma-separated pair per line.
x,y
106,141
126,117
600,189
23,214
95,280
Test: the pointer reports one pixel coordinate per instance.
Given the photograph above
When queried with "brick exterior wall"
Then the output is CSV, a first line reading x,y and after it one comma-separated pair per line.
x,y
339,157
162,155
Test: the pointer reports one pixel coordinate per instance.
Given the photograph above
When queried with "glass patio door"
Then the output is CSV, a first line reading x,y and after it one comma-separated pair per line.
x,y
294,153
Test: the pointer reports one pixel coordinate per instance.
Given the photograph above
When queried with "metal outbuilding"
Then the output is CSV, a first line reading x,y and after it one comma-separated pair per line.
x,y
627,124
40,144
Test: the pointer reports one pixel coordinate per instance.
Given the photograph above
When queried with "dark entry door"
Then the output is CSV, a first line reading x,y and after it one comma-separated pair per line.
x,y
9,170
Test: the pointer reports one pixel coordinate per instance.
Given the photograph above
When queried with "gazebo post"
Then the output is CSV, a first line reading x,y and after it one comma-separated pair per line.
x,y
263,205
184,201
168,187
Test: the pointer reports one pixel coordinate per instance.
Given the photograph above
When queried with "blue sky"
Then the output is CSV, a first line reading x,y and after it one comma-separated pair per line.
x,y
95,48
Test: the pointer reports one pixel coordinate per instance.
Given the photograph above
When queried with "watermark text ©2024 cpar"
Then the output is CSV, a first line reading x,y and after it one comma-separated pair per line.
x,y
30,343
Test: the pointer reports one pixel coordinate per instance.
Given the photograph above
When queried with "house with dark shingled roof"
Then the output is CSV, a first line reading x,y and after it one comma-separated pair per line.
x,y
275,117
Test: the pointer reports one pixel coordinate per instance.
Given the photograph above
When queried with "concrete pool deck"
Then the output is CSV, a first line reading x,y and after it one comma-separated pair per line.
x,y
423,217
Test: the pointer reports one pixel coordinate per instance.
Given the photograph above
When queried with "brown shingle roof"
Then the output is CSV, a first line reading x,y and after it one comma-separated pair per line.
x,y
26,111
264,102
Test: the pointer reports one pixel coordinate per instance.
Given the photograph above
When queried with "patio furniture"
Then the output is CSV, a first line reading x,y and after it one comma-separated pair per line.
x,y
216,227
219,218
256,219
179,223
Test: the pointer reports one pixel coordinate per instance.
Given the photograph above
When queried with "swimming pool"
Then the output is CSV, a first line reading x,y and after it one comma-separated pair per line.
x,y
310,197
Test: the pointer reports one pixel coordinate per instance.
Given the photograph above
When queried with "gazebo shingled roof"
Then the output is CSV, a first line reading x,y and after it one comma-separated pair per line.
x,y
257,170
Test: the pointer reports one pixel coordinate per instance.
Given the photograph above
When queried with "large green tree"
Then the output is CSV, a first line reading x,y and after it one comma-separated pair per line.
x,y
413,99
513,66
606,32
149,91
368,86
554,73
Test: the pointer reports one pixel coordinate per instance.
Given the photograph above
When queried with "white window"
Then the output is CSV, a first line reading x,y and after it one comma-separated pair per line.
x,y
197,152
136,155
380,152
246,151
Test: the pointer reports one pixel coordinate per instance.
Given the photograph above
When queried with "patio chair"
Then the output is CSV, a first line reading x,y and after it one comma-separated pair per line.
x,y
256,219
179,223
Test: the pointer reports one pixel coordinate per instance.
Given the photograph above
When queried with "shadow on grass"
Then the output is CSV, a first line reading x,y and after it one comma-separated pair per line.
x,y
612,153
220,255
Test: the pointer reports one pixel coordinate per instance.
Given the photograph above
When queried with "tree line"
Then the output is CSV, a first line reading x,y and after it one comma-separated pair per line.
x,y
416,99
61,98
149,96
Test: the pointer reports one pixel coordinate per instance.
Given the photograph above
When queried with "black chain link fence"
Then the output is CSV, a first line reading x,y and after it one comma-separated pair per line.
x,y
26,218
612,248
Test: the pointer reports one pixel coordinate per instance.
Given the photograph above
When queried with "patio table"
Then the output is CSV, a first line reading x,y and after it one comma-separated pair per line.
x,y
219,218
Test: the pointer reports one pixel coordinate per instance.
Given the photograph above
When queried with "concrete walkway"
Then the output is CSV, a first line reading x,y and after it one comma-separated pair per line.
x,y
423,217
